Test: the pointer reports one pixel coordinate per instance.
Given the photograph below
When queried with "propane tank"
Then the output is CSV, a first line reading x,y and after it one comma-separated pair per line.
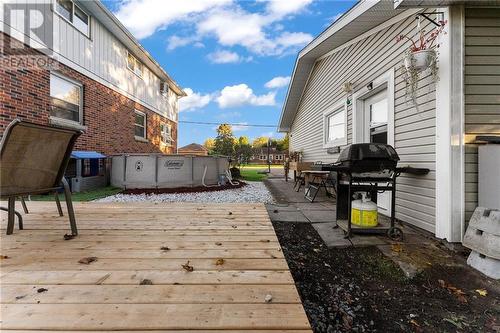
x,y
364,212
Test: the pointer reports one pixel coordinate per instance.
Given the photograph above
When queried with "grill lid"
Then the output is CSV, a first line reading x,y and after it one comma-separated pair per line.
x,y
368,151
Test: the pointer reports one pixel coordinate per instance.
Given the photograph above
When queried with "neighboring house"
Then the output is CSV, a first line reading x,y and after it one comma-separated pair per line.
x,y
359,49
193,149
99,78
259,155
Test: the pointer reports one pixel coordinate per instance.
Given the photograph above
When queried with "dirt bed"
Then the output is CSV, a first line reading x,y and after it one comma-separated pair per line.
x,y
360,290
196,189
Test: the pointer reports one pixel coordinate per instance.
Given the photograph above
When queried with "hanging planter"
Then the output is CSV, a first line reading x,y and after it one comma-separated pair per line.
x,y
420,60
421,56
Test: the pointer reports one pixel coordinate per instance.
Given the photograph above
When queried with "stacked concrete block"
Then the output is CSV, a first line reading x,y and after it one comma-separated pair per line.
x,y
483,238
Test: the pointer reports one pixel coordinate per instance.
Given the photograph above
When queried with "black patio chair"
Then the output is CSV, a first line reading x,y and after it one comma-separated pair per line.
x,y
33,159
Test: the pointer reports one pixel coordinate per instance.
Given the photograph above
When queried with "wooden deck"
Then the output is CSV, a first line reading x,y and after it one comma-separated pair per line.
x,y
233,249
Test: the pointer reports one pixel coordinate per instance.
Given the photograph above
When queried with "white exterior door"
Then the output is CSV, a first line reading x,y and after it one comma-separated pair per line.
x,y
375,119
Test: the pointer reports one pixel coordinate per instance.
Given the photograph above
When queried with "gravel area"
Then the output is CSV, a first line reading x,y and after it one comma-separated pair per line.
x,y
253,192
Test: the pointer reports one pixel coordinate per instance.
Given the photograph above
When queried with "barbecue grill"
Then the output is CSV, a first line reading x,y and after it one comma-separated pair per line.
x,y
365,167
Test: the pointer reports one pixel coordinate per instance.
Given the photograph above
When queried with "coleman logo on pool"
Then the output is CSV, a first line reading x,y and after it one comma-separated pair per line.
x,y
174,164
138,166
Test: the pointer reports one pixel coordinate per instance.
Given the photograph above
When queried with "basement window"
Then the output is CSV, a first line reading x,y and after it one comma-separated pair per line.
x,y
74,15
140,126
66,99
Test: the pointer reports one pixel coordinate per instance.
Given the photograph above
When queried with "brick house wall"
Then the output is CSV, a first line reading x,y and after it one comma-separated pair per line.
x,y
108,115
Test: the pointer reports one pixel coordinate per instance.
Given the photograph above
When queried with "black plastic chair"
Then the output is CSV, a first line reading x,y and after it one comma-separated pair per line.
x,y
33,159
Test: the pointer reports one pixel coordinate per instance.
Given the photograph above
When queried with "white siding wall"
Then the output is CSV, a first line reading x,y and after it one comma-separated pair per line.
x,y
361,63
105,56
482,89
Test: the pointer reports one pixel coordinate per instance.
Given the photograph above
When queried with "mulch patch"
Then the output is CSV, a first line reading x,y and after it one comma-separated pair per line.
x,y
196,189
360,290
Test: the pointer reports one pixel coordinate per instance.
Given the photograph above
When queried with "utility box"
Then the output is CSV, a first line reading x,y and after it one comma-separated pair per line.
x,y
489,173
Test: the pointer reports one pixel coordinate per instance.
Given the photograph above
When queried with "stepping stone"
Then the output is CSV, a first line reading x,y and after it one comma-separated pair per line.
x,y
332,237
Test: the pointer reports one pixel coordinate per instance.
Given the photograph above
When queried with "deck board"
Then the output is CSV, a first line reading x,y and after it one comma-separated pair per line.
x,y
127,239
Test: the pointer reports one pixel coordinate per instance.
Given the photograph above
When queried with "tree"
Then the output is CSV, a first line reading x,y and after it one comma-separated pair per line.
x,y
282,144
260,141
243,150
225,140
209,144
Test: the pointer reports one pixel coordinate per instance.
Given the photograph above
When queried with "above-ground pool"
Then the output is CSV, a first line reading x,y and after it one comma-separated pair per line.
x,y
166,171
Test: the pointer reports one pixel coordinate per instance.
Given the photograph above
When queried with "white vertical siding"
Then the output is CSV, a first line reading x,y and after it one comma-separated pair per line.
x,y
104,56
482,89
361,63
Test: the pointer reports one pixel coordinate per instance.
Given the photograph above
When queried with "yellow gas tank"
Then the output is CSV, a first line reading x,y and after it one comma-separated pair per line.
x,y
364,212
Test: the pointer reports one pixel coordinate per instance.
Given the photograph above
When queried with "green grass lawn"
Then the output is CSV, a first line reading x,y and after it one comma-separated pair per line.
x,y
81,196
250,172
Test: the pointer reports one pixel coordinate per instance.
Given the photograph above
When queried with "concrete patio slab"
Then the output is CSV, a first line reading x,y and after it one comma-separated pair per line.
x,y
331,236
318,216
288,214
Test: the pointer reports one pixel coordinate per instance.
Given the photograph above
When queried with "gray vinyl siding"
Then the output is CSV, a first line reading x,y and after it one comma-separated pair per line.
x,y
103,55
361,63
482,89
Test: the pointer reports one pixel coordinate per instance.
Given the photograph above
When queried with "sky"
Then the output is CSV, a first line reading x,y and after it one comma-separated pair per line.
x,y
233,58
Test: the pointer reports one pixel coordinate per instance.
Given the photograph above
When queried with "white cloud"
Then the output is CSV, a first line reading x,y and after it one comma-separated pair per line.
x,y
242,94
224,57
193,100
293,39
286,7
144,17
277,82
248,30
176,41
225,20
240,128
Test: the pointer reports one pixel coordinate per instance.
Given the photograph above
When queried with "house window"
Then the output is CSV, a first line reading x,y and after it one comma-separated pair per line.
x,y
74,15
164,89
86,167
140,125
134,65
262,157
335,126
166,134
65,98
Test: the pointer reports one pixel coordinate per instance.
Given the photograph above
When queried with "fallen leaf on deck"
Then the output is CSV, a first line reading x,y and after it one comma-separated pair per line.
x,y
165,248
20,297
87,260
218,243
230,213
187,267
68,237
234,226
41,290
482,292
219,262
4,257
265,240
146,282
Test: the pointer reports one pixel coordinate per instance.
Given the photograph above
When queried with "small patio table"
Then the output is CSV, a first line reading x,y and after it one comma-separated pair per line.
x,y
316,179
